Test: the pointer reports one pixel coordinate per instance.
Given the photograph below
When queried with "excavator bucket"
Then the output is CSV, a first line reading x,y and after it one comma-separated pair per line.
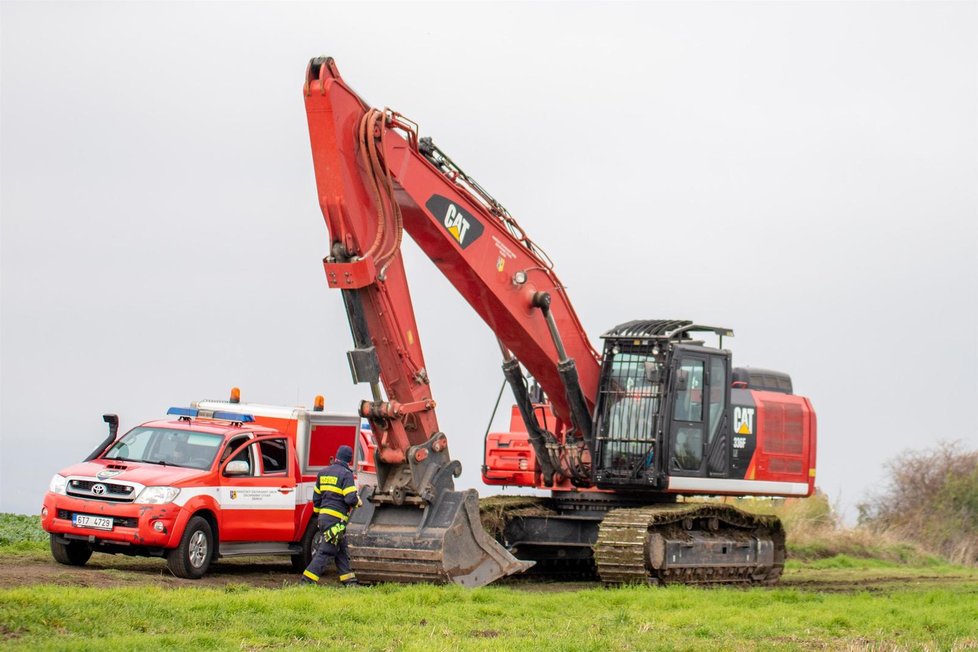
x,y
440,543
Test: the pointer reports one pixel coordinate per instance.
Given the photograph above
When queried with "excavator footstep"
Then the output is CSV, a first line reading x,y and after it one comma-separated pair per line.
x,y
441,543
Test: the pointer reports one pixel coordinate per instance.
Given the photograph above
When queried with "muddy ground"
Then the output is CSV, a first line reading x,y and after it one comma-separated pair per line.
x,y
268,572
116,571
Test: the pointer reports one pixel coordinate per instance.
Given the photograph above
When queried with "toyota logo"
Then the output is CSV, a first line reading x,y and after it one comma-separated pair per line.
x,y
99,489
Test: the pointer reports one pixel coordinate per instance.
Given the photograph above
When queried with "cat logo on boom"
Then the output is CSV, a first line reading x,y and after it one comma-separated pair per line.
x,y
456,223
459,223
743,420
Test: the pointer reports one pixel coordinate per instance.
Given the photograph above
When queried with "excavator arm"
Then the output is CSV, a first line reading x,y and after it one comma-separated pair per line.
x,y
377,179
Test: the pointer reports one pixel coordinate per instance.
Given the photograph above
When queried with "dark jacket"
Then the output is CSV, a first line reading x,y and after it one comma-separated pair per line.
x,y
335,493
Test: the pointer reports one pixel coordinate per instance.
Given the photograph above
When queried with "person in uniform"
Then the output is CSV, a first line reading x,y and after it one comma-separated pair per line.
x,y
334,498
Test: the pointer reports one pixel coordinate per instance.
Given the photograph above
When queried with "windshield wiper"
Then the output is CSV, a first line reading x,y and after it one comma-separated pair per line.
x,y
163,462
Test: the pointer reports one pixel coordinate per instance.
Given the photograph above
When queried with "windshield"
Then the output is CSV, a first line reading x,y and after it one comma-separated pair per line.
x,y
194,450
630,403
631,399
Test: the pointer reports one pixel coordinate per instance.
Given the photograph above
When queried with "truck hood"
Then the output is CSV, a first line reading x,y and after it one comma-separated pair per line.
x,y
137,472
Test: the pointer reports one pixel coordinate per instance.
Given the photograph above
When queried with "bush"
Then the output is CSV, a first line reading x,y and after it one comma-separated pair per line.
x,y
931,499
801,517
814,534
19,532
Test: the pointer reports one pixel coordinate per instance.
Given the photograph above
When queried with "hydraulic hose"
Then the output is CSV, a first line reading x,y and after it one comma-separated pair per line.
x,y
390,222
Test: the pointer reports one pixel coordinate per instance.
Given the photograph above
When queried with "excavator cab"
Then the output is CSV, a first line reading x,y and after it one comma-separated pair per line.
x,y
661,404
630,408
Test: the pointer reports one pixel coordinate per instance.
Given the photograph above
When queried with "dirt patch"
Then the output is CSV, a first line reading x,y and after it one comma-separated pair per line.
x,y
7,634
870,585
484,633
115,572
275,573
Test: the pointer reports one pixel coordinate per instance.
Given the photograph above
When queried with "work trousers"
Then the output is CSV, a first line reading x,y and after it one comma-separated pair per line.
x,y
326,551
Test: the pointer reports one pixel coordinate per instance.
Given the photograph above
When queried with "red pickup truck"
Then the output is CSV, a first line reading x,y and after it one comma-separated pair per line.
x,y
217,479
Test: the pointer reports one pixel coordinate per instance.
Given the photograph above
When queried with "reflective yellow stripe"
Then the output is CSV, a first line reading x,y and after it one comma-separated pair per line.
x,y
312,576
316,489
331,512
335,490
349,490
347,576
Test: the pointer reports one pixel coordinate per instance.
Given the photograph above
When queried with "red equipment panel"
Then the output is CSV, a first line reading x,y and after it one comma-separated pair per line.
x,y
785,449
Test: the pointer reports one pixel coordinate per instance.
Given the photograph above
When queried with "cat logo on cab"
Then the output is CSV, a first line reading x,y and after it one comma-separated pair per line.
x,y
743,420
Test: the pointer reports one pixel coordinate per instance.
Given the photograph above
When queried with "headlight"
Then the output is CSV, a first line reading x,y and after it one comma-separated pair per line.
x,y
58,484
157,495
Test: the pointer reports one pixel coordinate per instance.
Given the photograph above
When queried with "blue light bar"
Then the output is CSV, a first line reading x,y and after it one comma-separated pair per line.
x,y
233,416
194,413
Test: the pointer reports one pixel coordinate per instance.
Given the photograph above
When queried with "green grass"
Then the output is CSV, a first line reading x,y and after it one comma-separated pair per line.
x,y
834,602
863,562
450,618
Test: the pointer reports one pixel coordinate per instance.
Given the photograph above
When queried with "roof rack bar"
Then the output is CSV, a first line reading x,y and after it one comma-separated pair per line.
x,y
663,329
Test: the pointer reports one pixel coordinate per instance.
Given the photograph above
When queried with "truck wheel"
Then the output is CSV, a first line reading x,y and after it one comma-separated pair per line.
x,y
191,558
72,553
301,561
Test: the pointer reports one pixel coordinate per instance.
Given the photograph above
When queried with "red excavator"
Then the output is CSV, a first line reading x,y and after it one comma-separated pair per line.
x,y
617,436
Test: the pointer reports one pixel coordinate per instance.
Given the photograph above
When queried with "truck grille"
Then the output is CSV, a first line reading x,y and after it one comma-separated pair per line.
x,y
108,491
117,521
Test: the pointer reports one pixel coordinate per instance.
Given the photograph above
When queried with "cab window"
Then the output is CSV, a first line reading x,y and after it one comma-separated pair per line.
x,y
274,456
718,396
244,455
689,399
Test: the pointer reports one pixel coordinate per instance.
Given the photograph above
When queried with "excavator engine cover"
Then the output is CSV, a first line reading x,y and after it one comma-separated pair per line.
x,y
439,543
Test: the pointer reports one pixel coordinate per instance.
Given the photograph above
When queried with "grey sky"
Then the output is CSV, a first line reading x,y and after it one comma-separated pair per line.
x,y
805,173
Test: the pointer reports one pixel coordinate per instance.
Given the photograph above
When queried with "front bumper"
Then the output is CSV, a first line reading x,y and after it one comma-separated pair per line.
x,y
133,525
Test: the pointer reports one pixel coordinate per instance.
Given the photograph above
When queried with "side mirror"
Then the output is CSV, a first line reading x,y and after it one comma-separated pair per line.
x,y
237,467
682,380
653,372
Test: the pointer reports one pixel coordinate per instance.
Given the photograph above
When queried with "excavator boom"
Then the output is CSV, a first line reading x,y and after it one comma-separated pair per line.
x,y
376,179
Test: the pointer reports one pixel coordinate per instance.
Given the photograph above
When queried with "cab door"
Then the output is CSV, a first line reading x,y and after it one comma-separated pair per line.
x,y
718,442
688,426
259,505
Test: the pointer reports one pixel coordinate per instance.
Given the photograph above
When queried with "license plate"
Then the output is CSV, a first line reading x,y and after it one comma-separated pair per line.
x,y
97,522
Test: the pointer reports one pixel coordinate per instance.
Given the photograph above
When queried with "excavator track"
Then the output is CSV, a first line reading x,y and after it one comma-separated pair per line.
x,y
689,543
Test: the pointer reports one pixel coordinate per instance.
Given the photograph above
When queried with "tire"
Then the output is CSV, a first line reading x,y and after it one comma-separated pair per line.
x,y
193,556
300,562
71,553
